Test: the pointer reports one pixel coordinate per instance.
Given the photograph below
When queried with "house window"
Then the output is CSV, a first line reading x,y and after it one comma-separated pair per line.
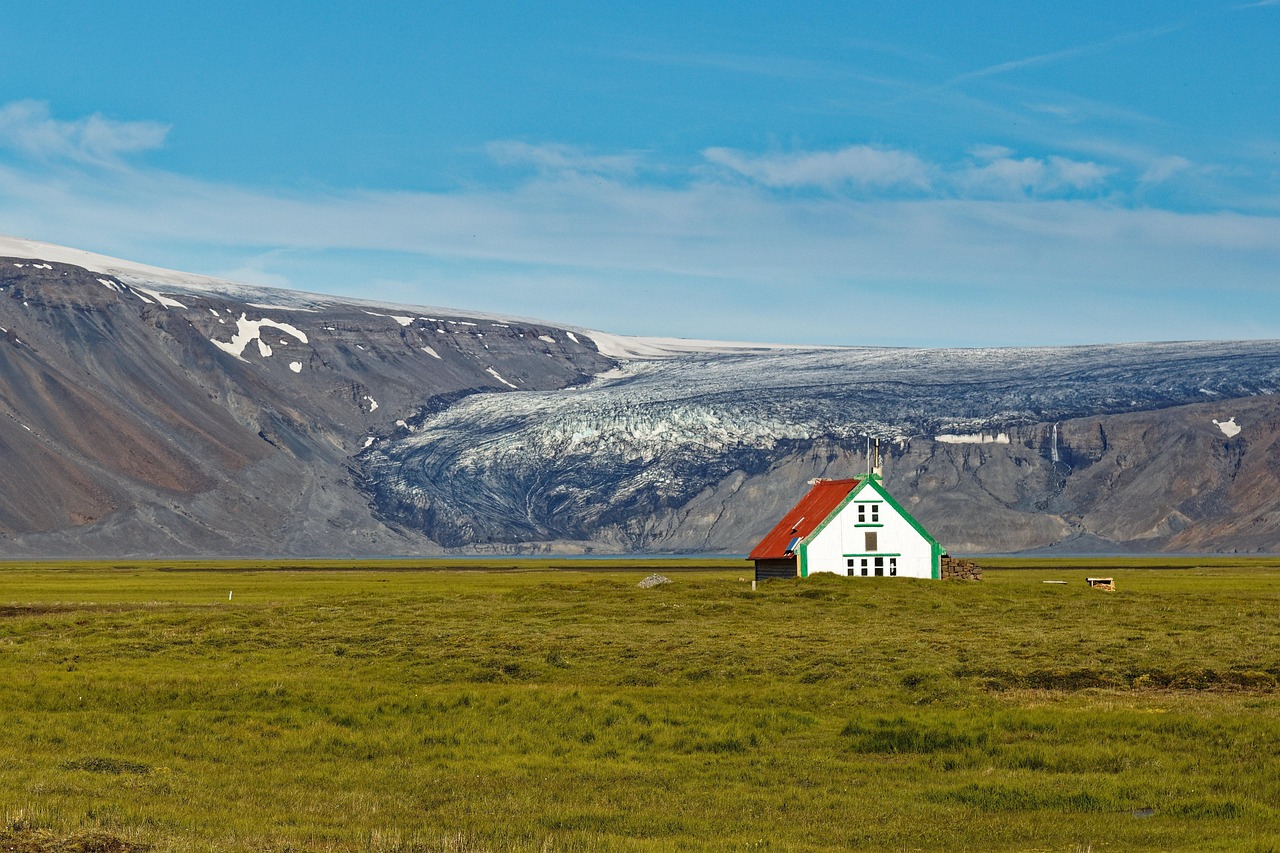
x,y
864,567
872,541
879,566
862,513
893,567
851,564
875,513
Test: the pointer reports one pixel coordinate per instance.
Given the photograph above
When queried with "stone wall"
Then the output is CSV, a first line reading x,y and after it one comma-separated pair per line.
x,y
957,569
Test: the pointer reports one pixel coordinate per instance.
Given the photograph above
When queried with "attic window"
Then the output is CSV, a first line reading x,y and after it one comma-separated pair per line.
x,y
791,546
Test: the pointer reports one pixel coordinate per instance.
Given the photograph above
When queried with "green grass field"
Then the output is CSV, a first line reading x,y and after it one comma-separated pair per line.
x,y
515,705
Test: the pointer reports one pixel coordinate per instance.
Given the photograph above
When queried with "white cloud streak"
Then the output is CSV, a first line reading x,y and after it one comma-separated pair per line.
x,y
858,165
707,229
1063,55
1011,177
28,128
1162,169
560,158
998,175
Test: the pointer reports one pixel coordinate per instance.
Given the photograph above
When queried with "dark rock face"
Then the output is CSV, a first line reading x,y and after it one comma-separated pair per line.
x,y
141,420
187,419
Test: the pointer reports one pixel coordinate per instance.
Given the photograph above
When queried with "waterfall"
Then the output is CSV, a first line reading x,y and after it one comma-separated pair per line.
x,y
1053,448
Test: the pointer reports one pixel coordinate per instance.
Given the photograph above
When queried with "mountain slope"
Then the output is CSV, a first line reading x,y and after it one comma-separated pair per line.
x,y
147,412
190,420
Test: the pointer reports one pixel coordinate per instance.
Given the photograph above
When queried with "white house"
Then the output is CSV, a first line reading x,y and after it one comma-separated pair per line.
x,y
848,527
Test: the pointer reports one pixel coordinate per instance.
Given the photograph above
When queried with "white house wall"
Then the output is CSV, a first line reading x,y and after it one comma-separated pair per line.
x,y
844,538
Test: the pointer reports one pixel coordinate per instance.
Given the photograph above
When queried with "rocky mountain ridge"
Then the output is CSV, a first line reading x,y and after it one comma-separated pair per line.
x,y
151,418
152,413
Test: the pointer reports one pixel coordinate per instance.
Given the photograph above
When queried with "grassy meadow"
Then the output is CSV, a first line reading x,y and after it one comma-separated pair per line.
x,y
517,705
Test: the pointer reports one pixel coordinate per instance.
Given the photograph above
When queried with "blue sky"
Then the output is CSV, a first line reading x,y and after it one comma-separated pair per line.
x,y
924,174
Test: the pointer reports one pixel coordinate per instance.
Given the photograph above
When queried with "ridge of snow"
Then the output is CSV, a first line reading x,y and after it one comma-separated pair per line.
x,y
165,301
399,318
640,348
257,296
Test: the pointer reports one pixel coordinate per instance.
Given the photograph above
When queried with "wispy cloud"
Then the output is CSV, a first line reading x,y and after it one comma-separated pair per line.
x,y
29,128
1162,169
994,173
1008,177
859,165
895,50
705,228
560,158
779,67
1064,55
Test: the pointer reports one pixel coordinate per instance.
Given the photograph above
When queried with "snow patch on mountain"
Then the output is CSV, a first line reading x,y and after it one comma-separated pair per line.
x,y
399,318
1229,427
164,301
498,376
248,331
976,438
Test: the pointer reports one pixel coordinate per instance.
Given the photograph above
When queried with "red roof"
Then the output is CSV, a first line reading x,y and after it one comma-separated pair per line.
x,y
802,519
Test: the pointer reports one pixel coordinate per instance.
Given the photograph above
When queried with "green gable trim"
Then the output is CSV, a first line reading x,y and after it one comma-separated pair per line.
x,y
874,483
802,558
936,567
